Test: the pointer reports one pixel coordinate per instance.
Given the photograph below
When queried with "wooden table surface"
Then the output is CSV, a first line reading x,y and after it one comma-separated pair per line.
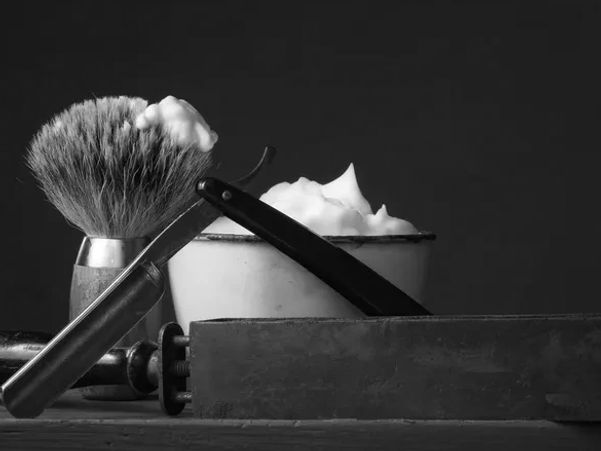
x,y
75,424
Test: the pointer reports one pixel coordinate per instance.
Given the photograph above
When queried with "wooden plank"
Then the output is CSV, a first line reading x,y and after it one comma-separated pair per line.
x,y
76,424
193,433
492,367
285,434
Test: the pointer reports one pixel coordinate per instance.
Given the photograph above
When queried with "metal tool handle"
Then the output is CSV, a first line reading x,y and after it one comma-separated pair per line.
x,y
131,366
366,289
82,342
17,347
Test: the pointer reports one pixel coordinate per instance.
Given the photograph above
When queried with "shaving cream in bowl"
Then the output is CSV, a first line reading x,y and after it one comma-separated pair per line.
x,y
227,272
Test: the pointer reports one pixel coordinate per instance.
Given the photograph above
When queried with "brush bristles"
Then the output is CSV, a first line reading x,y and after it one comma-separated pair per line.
x,y
107,177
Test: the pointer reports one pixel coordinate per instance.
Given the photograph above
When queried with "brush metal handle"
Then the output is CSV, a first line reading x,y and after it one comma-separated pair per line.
x,y
83,341
362,286
98,263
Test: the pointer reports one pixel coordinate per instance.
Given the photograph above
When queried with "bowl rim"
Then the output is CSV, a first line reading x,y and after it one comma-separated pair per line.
x,y
357,239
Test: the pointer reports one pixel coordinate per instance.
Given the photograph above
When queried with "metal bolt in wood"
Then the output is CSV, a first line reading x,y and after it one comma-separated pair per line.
x,y
174,369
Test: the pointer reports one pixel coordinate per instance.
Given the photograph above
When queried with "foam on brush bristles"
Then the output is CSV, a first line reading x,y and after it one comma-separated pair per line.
x,y
110,179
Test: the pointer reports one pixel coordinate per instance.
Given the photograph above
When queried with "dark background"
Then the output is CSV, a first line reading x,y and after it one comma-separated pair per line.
x,y
475,120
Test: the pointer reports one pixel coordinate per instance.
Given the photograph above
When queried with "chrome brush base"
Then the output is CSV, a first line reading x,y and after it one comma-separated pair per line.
x,y
98,262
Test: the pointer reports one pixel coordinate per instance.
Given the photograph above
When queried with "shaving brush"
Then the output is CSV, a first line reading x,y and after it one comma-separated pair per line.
x,y
120,184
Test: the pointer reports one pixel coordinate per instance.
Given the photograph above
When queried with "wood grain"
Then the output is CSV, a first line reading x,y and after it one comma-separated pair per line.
x,y
279,435
76,424
479,368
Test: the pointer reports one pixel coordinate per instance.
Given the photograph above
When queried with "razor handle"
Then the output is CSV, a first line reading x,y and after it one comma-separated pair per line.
x,y
76,348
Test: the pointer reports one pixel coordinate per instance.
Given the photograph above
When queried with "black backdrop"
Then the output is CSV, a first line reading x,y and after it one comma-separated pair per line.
x,y
468,118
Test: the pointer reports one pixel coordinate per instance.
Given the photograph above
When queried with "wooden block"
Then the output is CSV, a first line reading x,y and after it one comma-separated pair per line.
x,y
464,367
